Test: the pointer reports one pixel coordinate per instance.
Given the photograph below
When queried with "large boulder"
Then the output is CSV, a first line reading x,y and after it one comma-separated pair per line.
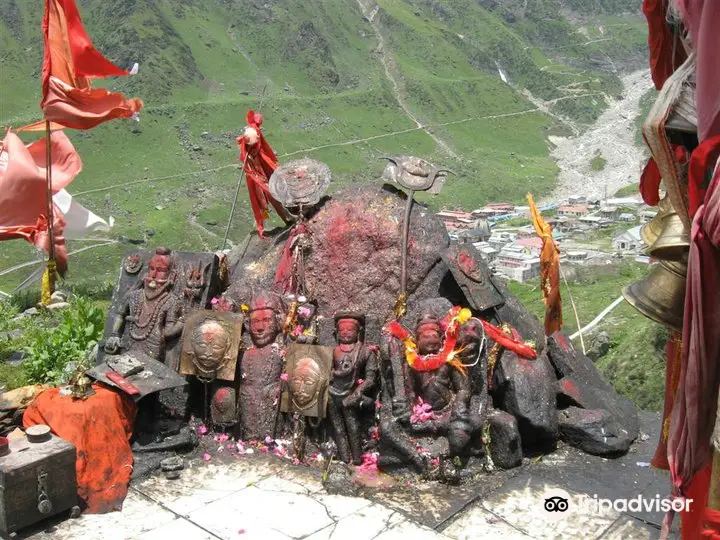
x,y
505,445
596,432
513,313
353,261
527,390
581,385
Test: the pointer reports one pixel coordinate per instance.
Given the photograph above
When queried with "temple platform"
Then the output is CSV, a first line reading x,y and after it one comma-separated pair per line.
x,y
267,497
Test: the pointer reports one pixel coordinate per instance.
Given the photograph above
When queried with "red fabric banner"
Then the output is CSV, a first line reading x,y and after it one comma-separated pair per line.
x,y
260,162
702,19
69,63
666,49
23,190
695,407
702,160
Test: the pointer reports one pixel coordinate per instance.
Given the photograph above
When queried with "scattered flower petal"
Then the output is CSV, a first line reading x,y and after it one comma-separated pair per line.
x,y
285,377
207,457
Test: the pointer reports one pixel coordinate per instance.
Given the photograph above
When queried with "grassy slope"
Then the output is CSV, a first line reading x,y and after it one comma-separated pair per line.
x,y
635,364
204,63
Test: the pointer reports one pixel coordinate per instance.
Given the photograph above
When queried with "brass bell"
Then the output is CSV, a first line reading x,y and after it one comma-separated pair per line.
x,y
673,243
650,232
661,295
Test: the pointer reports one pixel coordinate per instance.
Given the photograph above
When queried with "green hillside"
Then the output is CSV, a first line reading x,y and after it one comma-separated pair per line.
x,y
340,81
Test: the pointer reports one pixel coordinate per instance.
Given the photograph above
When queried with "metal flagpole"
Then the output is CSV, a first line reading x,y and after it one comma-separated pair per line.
x,y
48,281
237,193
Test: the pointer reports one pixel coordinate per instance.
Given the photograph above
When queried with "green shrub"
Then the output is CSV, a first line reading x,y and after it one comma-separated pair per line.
x,y
50,350
598,163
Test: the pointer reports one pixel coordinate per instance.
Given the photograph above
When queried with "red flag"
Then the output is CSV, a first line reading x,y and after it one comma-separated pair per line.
x,y
666,50
259,166
69,63
23,190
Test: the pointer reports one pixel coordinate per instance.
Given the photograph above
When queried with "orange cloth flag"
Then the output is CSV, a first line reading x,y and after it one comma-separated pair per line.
x,y
100,428
23,190
69,63
549,271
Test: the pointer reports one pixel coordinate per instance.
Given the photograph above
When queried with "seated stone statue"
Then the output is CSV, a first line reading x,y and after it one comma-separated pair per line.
x,y
430,403
260,368
353,385
151,316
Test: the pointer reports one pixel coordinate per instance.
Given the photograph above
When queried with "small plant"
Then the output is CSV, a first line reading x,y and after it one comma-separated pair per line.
x,y
598,163
50,350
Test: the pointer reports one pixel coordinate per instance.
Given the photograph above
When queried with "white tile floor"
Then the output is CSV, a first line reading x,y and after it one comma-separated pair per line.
x,y
247,500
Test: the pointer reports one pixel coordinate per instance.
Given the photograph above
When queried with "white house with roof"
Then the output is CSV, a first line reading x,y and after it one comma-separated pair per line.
x,y
629,240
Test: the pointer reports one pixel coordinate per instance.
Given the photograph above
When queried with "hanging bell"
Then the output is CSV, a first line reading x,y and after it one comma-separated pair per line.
x,y
650,232
661,295
673,243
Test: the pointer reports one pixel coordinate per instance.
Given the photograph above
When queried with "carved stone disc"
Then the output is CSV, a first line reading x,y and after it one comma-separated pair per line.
x,y
300,182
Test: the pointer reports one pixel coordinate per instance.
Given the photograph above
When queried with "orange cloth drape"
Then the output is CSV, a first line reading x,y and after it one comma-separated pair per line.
x,y
100,428
549,271
23,190
69,63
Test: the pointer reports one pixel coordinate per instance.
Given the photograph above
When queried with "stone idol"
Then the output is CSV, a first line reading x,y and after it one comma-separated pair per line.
x,y
261,366
354,386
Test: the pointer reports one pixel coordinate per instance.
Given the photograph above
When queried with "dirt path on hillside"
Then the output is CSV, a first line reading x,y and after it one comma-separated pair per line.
x,y
392,75
612,137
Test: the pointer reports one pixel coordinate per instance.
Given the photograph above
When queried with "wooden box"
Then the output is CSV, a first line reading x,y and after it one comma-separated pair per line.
x,y
37,480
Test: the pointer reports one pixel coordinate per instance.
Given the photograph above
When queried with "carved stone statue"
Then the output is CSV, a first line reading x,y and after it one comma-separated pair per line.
x,y
151,316
261,367
353,385
441,395
195,282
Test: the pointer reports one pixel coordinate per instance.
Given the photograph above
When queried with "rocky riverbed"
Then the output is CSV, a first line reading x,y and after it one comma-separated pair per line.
x,y
613,138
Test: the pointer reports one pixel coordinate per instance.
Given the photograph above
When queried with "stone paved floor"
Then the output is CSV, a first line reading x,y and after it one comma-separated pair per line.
x,y
266,498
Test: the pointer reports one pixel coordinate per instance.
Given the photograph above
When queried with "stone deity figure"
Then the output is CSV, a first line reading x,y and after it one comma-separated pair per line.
x,y
152,316
261,367
445,393
353,386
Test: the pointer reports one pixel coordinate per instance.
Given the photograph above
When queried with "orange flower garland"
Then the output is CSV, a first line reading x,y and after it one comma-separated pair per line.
x,y
452,322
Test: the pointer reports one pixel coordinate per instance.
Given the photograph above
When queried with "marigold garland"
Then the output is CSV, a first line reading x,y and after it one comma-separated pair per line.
x,y
455,318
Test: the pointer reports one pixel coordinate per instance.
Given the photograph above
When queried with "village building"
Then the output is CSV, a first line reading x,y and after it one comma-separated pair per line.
x,y
576,256
578,210
487,252
528,231
494,210
629,240
456,221
515,263
500,239
627,217
610,212
593,221
531,245
480,233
